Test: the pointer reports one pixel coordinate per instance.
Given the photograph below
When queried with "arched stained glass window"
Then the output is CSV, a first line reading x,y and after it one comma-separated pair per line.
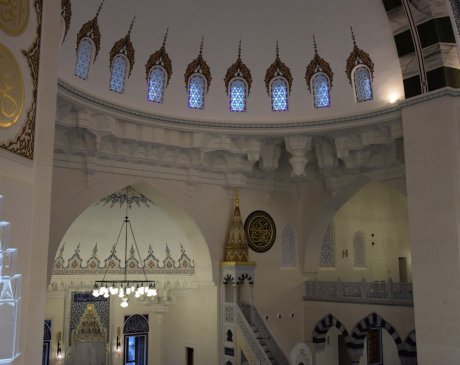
x,y
156,85
117,79
237,95
363,84
84,55
321,90
279,94
196,87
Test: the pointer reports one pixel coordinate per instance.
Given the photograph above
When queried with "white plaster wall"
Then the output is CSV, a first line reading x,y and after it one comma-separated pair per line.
x,y
330,354
259,24
390,351
379,210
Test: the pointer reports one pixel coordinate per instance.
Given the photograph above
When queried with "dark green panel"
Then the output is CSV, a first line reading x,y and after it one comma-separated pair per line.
x,y
391,4
404,43
412,86
435,31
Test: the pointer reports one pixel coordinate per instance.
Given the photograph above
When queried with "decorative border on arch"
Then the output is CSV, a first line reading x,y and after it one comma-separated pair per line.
x,y
357,338
23,143
160,58
278,68
323,326
66,13
238,69
318,65
91,30
408,354
358,57
198,65
125,47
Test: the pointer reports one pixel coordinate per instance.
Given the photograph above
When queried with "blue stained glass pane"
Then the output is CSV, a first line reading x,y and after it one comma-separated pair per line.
x,y
156,85
237,96
363,84
131,349
279,95
117,80
85,51
321,91
196,92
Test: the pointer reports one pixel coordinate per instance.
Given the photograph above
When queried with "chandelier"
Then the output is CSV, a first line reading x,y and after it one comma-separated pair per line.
x,y
125,287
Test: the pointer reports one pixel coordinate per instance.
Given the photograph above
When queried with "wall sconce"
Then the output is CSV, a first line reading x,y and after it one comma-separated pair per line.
x,y
118,343
59,353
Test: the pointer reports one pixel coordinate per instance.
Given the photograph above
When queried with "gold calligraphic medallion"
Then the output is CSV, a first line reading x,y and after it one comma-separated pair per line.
x,y
14,15
260,231
11,88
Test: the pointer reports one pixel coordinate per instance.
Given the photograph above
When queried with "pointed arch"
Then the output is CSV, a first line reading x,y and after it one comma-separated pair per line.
x,y
279,94
84,57
408,354
196,91
156,84
362,83
323,326
118,74
356,340
321,90
238,94
136,323
288,255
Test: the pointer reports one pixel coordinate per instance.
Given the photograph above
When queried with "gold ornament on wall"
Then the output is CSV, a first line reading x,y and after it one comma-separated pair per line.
x,y
14,16
198,65
238,69
318,64
358,57
161,58
125,47
91,30
11,88
278,68
66,13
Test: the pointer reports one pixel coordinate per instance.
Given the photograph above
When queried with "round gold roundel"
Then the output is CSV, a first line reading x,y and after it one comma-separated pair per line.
x,y
14,15
260,231
11,88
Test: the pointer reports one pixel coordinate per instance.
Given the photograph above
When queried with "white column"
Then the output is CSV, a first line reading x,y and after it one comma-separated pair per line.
x,y
432,151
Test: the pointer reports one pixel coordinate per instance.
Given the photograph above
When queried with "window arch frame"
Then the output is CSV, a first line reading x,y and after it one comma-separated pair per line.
x,y
141,338
370,78
286,84
165,81
205,85
91,59
127,64
246,93
316,74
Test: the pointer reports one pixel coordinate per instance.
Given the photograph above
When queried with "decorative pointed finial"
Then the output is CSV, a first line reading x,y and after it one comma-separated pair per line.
x,y
239,49
131,25
201,45
277,49
165,38
315,45
237,199
353,36
100,8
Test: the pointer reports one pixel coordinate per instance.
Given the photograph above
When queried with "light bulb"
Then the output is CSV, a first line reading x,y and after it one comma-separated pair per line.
x,y
121,293
115,291
137,295
124,302
141,290
96,293
133,288
128,291
106,295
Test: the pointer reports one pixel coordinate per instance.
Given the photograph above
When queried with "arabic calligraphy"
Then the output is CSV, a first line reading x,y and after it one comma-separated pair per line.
x,y
11,88
14,15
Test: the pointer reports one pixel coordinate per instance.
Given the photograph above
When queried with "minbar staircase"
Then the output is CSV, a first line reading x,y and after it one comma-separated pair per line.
x,y
263,335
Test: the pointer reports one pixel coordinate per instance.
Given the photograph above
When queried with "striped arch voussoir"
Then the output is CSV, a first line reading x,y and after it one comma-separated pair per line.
x,y
357,338
323,326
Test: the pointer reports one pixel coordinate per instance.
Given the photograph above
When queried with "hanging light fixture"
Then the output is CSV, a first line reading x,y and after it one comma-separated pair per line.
x,y
125,287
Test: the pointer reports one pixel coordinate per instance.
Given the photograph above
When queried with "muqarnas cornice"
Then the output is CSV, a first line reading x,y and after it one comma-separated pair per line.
x,y
318,64
238,69
91,30
198,65
358,57
125,47
278,68
23,143
160,58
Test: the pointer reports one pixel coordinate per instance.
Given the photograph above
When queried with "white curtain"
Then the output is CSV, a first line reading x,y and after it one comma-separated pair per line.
x,y
88,353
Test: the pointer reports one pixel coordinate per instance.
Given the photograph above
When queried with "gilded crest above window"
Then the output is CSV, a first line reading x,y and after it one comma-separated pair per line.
x,y
238,69
161,58
66,13
125,47
91,30
198,65
358,57
316,65
278,68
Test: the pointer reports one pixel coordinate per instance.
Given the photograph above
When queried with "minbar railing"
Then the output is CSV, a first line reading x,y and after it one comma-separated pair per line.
x,y
369,292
